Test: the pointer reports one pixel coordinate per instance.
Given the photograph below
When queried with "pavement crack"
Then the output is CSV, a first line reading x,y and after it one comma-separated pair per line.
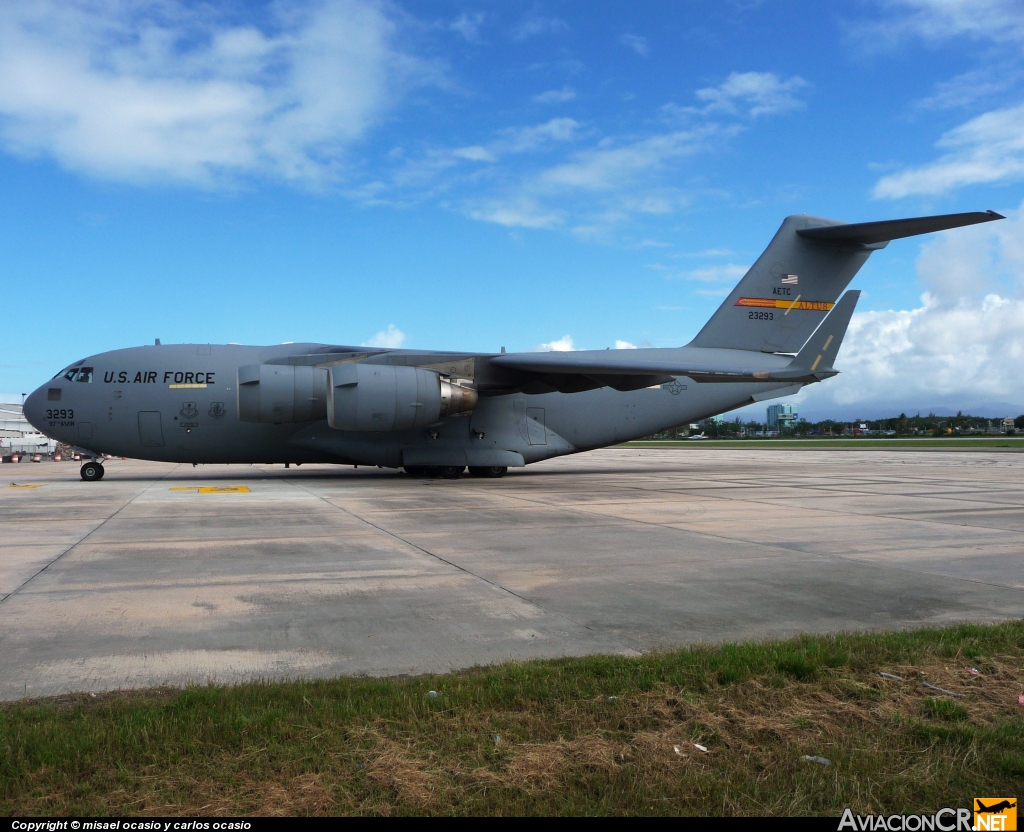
x,y
463,569
781,546
84,537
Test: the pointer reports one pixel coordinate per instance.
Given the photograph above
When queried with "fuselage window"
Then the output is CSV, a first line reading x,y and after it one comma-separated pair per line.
x,y
70,374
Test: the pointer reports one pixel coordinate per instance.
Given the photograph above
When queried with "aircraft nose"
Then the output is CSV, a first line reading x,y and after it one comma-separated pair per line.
x,y
34,407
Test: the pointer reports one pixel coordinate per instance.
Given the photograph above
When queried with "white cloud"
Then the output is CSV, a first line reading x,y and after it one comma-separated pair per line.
x,y
618,177
757,93
533,25
522,139
969,87
142,90
624,345
476,153
390,338
424,170
567,93
610,166
989,148
468,25
515,213
636,43
563,344
421,170
963,345
588,191
970,349
938,20
729,272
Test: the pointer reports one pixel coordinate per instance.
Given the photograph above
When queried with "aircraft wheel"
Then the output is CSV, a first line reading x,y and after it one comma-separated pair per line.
x,y
451,472
92,472
491,472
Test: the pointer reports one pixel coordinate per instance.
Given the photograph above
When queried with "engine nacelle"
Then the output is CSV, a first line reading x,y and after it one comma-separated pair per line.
x,y
378,397
281,393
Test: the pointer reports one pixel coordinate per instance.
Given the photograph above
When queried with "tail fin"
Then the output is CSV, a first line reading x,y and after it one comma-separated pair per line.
x,y
788,292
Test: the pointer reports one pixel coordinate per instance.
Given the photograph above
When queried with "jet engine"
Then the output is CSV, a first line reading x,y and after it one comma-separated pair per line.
x,y
379,397
281,393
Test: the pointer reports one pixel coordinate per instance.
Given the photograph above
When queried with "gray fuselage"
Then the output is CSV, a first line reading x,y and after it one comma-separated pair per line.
x,y
179,403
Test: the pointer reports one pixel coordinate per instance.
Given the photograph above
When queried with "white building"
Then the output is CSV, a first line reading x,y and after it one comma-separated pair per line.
x,y
781,415
17,436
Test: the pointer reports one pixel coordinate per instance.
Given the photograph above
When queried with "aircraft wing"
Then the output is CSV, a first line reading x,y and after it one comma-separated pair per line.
x,y
812,363
569,363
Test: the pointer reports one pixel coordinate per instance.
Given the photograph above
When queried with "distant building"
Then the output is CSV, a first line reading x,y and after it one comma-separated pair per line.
x,y
1008,423
781,415
17,436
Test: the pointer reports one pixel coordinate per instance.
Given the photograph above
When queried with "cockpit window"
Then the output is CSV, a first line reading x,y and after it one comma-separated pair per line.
x,y
79,374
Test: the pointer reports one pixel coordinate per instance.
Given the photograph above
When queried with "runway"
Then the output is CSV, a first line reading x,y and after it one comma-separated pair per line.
x,y
145,579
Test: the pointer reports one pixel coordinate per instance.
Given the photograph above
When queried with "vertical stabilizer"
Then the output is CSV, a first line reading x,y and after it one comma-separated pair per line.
x,y
787,293
793,285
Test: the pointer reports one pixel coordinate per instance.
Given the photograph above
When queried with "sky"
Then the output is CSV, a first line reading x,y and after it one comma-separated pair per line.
x,y
533,175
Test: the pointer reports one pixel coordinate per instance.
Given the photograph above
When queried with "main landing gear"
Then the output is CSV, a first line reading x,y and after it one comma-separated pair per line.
x,y
453,472
92,471
491,472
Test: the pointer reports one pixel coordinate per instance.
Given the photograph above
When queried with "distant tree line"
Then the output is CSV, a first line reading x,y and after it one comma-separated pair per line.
x,y
962,424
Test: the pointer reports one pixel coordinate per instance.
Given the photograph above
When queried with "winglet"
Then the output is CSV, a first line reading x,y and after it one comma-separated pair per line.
x,y
819,353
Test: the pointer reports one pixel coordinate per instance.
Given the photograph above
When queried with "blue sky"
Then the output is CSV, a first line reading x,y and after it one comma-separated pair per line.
x,y
523,174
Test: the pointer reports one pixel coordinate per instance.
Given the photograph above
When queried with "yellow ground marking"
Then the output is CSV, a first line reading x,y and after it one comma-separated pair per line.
x,y
214,489
186,386
15,485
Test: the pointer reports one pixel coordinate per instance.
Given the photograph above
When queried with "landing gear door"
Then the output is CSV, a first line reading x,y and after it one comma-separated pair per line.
x,y
520,406
535,426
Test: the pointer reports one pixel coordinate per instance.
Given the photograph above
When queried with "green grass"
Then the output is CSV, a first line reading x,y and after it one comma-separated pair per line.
x,y
595,735
852,443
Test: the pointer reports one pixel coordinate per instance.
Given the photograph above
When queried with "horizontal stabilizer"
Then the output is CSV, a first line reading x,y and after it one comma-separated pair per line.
x,y
870,233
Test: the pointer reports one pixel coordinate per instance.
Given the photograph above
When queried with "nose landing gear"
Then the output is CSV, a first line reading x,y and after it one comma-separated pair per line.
x,y
92,471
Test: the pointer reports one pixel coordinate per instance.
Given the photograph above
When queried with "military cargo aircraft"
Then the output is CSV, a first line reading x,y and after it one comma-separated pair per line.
x,y
437,413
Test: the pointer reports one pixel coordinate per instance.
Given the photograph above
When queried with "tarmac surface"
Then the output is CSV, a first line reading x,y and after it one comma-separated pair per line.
x,y
144,579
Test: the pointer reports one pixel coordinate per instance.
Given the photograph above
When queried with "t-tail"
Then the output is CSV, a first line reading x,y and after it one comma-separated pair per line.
x,y
795,283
